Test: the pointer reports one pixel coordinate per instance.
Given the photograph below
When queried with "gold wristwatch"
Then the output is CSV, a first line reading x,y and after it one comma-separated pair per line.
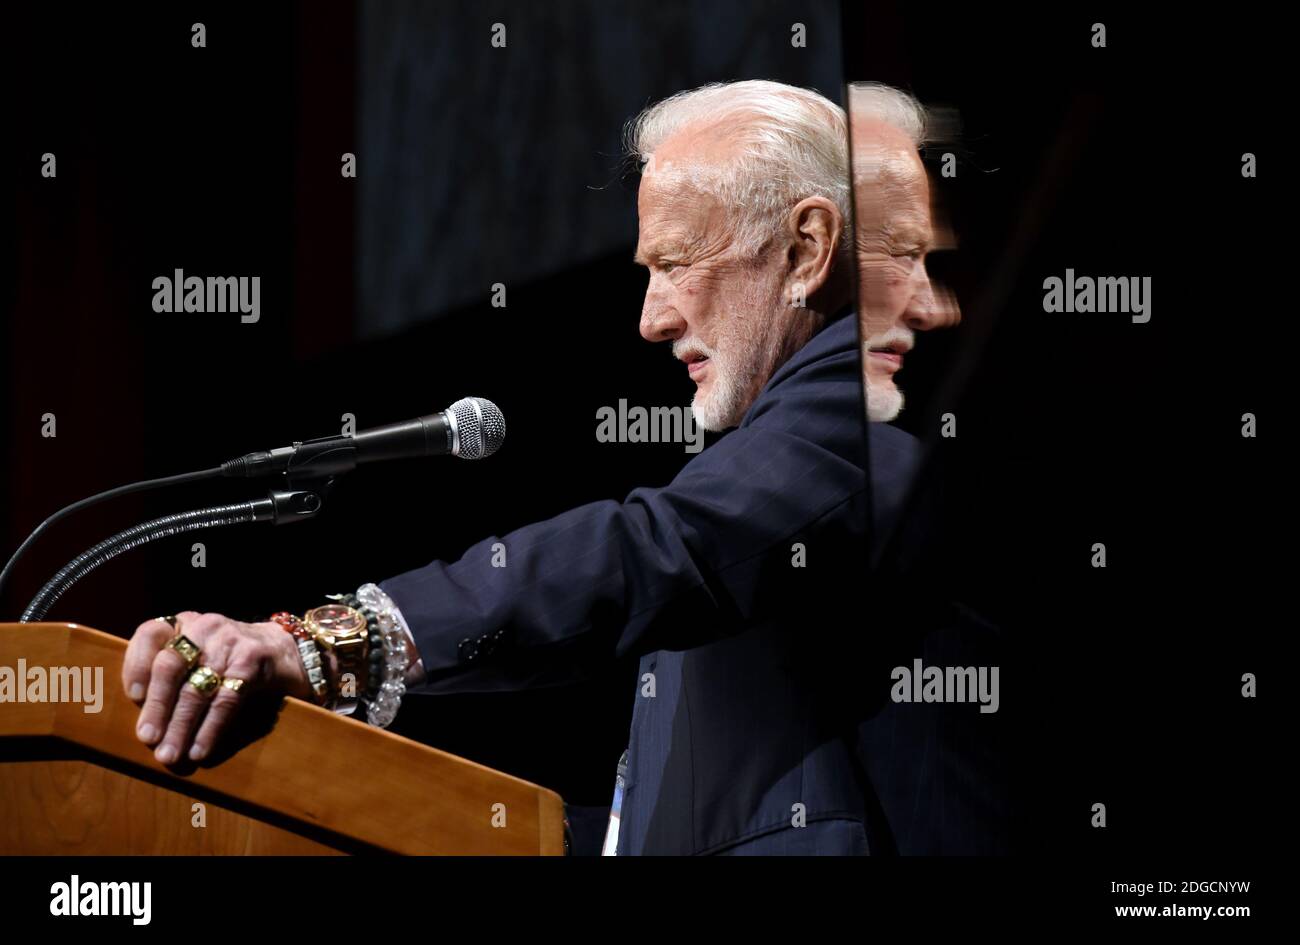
x,y
343,631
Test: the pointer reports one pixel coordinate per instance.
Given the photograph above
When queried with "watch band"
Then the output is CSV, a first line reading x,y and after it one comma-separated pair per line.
x,y
308,652
375,644
343,630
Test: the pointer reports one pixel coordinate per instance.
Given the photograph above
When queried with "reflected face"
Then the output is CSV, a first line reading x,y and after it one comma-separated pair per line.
x,y
893,233
718,302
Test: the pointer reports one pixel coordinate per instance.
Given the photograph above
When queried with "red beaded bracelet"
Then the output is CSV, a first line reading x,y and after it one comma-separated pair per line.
x,y
291,624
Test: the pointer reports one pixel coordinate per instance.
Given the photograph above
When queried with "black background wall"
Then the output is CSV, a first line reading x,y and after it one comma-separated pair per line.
x,y
1122,686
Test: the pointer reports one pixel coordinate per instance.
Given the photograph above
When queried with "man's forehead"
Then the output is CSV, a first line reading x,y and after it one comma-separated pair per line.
x,y
676,207
672,184
889,167
890,185
883,152
869,133
673,209
659,236
682,164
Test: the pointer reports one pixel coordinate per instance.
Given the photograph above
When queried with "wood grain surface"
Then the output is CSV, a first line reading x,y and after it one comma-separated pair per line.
x,y
296,779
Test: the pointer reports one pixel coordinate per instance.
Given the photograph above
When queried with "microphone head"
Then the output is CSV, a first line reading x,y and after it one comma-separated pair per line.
x,y
478,427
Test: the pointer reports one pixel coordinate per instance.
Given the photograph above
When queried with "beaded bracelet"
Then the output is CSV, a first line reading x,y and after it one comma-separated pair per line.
x,y
386,681
308,652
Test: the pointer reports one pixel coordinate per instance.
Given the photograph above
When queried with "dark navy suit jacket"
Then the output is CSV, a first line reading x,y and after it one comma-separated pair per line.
x,y
742,586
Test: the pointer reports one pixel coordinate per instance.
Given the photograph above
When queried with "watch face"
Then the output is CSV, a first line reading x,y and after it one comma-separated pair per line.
x,y
337,620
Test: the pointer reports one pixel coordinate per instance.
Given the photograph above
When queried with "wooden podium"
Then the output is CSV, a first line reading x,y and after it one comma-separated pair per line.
x,y
296,779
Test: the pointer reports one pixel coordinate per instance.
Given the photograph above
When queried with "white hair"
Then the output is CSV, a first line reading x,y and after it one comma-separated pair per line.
x,y
791,143
892,106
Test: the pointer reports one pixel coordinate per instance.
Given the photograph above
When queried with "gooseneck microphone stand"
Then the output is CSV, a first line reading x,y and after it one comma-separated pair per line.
x,y
288,504
299,494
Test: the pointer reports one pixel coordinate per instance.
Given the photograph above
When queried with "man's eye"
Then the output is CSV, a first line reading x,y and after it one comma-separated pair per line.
x,y
668,266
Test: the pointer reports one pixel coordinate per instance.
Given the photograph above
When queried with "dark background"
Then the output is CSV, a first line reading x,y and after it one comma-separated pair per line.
x,y
1120,686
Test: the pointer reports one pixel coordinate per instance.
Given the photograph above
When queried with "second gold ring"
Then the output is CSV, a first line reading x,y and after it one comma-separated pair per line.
x,y
186,649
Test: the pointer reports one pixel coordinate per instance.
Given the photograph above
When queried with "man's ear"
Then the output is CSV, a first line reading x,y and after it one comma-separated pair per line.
x,y
816,227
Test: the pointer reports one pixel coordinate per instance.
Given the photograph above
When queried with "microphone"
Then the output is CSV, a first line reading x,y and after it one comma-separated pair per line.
x,y
471,428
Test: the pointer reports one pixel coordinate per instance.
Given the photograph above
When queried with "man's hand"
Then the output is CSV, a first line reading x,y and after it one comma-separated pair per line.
x,y
263,655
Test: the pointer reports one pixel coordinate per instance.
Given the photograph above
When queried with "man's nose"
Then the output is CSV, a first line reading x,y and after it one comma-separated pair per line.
x,y
660,322
932,306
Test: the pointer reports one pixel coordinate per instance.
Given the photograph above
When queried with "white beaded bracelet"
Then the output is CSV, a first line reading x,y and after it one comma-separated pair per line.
x,y
383,708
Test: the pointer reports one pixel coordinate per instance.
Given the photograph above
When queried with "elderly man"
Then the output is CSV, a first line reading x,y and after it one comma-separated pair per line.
x,y
735,584
893,233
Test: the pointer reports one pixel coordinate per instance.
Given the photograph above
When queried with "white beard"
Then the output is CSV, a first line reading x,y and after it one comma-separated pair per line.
x,y
884,401
744,360
729,392
715,412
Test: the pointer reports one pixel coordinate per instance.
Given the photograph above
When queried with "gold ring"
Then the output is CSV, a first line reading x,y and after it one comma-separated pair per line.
x,y
185,648
205,679
233,684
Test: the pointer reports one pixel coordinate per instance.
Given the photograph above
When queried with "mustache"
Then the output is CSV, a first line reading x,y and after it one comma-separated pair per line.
x,y
684,347
899,334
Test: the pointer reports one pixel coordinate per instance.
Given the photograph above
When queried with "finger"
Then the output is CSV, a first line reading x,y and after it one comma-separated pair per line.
x,y
191,705
166,674
145,643
223,707
167,671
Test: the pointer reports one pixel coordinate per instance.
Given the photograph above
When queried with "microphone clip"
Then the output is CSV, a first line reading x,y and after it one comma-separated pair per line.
x,y
297,499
